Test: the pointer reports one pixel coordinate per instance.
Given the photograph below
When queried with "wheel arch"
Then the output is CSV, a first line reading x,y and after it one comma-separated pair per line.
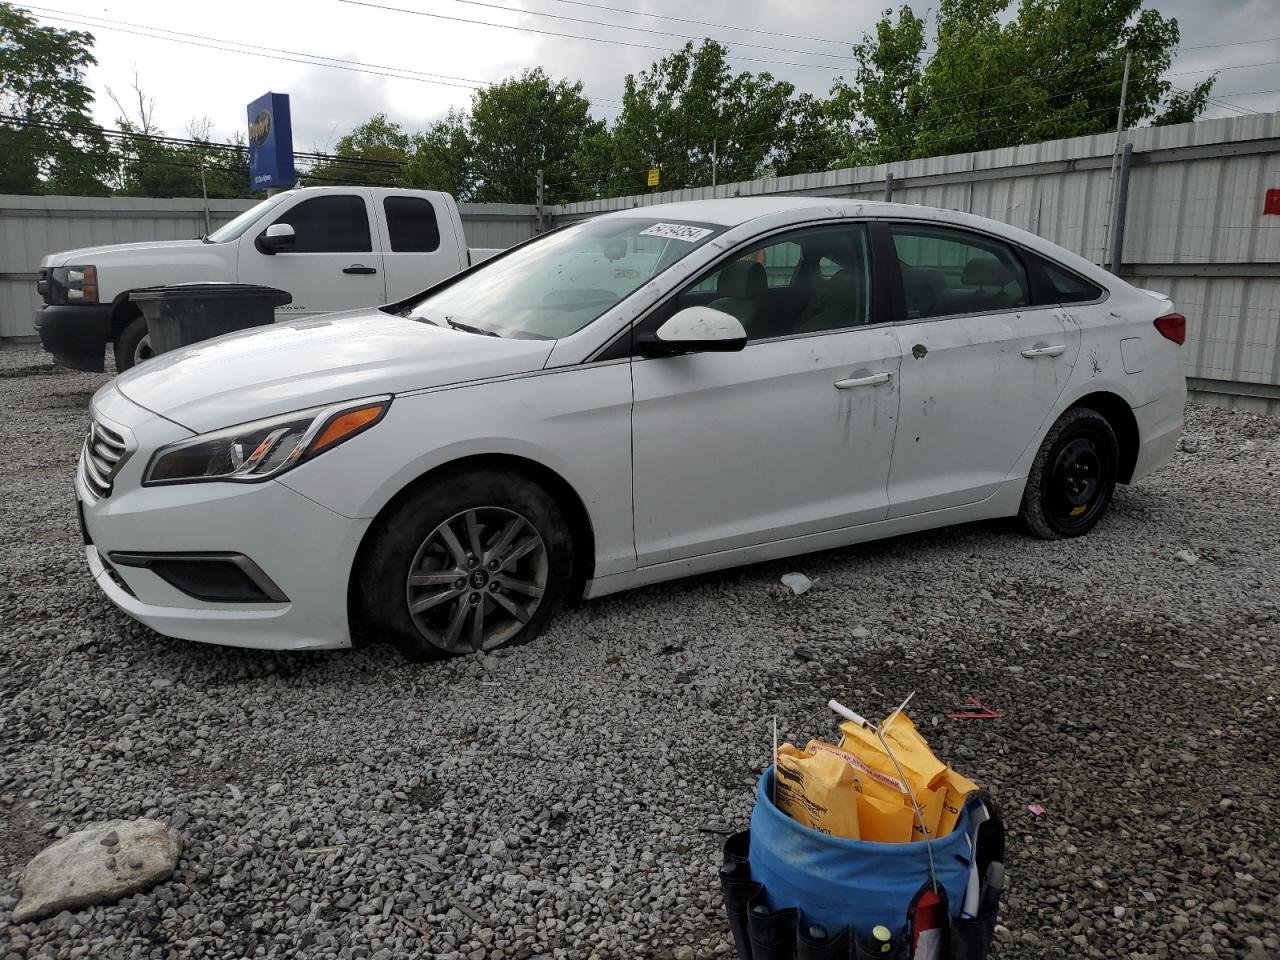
x,y
123,312
1123,422
581,531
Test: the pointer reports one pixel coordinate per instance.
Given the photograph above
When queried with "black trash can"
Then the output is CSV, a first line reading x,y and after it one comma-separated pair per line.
x,y
187,313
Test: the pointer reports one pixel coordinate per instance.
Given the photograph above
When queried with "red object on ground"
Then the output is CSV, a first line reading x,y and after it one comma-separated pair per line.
x,y
983,712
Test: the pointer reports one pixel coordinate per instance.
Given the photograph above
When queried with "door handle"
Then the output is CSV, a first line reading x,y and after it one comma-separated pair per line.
x,y
1057,350
359,268
872,381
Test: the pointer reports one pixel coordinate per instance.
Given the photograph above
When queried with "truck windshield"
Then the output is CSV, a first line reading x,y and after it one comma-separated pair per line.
x,y
232,230
559,284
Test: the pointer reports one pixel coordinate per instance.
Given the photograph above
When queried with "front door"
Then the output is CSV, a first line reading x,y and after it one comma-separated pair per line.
x,y
982,367
792,435
333,264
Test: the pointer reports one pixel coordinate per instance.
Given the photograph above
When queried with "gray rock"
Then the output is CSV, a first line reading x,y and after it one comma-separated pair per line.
x,y
67,875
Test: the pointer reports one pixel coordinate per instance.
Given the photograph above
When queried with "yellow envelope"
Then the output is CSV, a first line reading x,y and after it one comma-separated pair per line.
x,y
817,789
922,768
956,788
884,821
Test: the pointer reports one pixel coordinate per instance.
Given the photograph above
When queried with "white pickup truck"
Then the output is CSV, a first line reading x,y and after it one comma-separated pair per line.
x,y
331,248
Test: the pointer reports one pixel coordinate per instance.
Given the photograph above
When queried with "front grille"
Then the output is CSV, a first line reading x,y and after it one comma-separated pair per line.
x,y
103,455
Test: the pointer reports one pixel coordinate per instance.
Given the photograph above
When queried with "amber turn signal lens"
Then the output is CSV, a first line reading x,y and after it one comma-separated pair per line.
x,y
345,425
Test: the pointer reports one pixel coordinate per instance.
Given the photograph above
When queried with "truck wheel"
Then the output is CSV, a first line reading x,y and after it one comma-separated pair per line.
x,y
133,345
466,564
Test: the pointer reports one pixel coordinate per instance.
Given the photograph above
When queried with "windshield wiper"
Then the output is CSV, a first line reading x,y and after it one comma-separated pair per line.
x,y
467,328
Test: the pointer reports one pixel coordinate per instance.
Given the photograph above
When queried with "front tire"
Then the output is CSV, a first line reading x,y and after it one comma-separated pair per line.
x,y
1072,478
467,563
133,345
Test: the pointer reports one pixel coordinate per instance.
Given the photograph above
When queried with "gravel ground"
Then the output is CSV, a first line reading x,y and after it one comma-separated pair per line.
x,y
561,800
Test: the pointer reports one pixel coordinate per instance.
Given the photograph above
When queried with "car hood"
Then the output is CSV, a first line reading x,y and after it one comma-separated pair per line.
x,y
96,256
302,363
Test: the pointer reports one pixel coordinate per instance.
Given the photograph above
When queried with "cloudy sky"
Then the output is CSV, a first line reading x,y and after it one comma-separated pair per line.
x,y
210,59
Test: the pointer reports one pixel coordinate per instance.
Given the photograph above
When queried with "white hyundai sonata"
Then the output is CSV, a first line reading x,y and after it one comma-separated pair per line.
x,y
657,392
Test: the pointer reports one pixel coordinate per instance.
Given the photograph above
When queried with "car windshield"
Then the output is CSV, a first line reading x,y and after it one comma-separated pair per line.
x,y
562,282
230,231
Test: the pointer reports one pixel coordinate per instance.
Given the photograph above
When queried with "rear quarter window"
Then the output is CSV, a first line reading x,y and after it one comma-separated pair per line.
x,y
1054,283
411,224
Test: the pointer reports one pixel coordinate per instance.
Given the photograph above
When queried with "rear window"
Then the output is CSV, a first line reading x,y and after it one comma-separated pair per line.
x,y
1060,285
411,223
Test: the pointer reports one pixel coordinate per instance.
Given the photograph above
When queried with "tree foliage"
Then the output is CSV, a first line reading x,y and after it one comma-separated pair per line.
x,y
48,142
972,75
1052,70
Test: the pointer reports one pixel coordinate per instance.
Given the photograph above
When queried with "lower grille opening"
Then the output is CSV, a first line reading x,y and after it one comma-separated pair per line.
x,y
216,578
117,579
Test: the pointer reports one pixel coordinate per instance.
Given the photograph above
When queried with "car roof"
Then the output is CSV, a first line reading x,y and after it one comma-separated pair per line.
x,y
735,211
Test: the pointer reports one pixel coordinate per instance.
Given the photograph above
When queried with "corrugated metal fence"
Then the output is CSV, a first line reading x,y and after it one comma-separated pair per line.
x,y
30,227
1195,226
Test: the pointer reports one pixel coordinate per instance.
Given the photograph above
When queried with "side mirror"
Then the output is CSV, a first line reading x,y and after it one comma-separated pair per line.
x,y
275,237
695,330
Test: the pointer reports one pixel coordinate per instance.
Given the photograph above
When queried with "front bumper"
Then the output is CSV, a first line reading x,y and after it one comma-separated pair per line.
x,y
76,334
303,547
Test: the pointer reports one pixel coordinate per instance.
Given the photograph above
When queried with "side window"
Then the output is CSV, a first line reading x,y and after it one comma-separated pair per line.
x,y
411,223
1059,285
338,224
805,281
947,271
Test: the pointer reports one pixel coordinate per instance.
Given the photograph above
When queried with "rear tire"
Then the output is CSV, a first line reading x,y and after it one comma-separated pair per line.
x,y
133,345
1072,477
470,562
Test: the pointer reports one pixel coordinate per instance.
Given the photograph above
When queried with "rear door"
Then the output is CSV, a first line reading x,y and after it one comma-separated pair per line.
x,y
335,262
418,242
983,366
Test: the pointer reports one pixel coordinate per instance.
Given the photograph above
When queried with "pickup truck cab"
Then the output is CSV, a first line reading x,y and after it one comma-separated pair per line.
x,y
331,248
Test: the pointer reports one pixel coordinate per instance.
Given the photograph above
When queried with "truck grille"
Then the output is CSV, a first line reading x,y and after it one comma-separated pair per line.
x,y
103,455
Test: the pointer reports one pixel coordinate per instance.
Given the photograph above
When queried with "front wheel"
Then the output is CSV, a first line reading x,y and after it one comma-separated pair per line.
x,y
1072,478
467,563
133,345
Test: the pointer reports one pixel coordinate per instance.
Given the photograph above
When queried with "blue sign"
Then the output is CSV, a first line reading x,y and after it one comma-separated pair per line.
x,y
271,143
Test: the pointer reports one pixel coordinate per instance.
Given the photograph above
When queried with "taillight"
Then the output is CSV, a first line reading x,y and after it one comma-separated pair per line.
x,y
1173,326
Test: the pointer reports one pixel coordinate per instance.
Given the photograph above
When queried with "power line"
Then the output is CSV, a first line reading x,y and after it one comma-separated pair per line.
x,y
650,30
1229,43
1230,66
577,36
272,53
705,23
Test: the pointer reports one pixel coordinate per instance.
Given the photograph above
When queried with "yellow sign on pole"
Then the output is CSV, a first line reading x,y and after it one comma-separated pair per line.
x,y
653,176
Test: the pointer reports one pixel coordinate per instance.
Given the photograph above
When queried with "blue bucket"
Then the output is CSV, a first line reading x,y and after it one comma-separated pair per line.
x,y
837,882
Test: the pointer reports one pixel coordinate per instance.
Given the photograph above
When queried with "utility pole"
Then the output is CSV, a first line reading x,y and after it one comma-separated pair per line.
x,y
713,162
204,192
1115,152
541,186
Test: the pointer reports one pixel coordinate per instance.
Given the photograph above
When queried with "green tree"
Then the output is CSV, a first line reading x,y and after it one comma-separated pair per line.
x,y
1052,70
378,151
48,142
441,157
523,124
690,109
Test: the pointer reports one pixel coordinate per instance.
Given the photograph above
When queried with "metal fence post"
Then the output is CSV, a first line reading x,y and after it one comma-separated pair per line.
x,y
888,188
1122,208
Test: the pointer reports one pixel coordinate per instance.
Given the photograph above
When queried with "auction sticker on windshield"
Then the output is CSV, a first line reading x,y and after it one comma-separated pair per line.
x,y
676,231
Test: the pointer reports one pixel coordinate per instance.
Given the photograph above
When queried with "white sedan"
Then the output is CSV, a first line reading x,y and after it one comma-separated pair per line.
x,y
654,393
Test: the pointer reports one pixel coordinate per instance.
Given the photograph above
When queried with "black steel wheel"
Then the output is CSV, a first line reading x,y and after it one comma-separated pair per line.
x,y
467,563
1073,476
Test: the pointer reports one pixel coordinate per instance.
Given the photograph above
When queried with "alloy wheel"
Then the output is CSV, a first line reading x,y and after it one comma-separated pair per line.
x,y
477,579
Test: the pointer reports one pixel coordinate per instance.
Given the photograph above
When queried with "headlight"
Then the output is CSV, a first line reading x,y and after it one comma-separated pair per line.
x,y
76,284
263,449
